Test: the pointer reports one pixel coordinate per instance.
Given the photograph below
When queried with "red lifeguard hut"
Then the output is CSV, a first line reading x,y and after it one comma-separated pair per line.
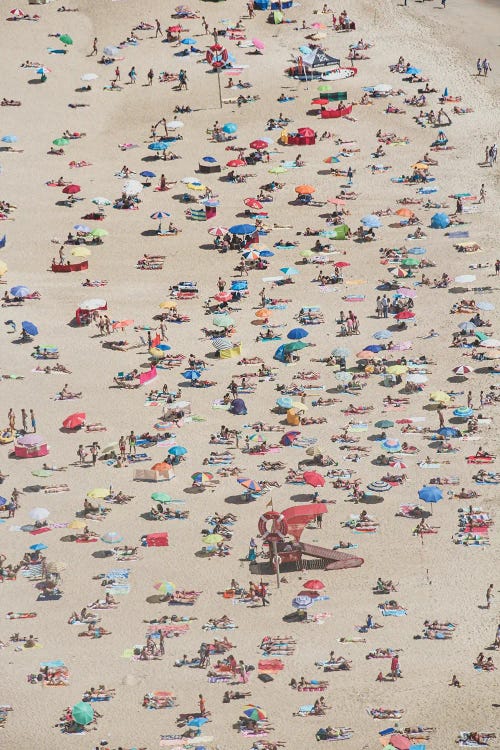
x,y
282,531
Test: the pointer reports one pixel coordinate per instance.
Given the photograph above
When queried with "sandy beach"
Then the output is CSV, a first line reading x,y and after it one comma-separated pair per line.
x,y
441,576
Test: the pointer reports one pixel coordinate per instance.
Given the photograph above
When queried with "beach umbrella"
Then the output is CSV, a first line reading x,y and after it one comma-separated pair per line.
x,y
177,450
221,343
384,424
343,376
314,479
382,88
158,146
29,327
3,501
440,221
249,484
17,13
368,355
258,44
485,305
82,228
56,567
31,439
391,445
284,402
165,587
467,278
160,215
98,493
256,713
218,231
384,334
297,334
430,494
294,346
289,271
9,139
74,421
409,262
132,187
375,348
242,229
341,351
263,313
417,251
222,320
82,713
379,486
229,127
399,742
20,291
416,378
314,450
405,292
405,213
71,189
3,270
405,315
188,40
289,437
175,124
147,173
278,169
161,497
251,255
202,476
198,721
462,370
111,51
77,524
302,602
92,304
191,375
305,190
464,412
98,232
490,343
66,39
253,203
213,539
38,547
111,537
449,432
440,397
89,77
259,144
99,201
398,464
413,71
313,585
39,514
371,221
42,473
60,141
396,369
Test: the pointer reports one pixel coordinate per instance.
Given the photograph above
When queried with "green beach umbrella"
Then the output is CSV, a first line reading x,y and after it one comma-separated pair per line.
x,y
60,142
161,497
66,39
82,713
294,346
409,262
99,232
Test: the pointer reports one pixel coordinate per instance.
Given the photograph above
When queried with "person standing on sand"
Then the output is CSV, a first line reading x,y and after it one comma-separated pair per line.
x,y
151,75
94,47
478,66
24,419
132,74
489,596
117,73
33,420
497,267
482,194
485,66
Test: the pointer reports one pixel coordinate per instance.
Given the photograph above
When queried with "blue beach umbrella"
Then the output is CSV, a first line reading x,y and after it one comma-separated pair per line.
x,y
430,494
230,127
160,215
384,334
30,328
147,173
38,547
242,229
463,412
158,146
440,221
413,71
9,139
188,40
297,334
20,291
177,450
371,221
191,375
284,402
417,251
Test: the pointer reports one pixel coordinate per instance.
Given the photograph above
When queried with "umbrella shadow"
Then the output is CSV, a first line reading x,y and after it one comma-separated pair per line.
x,y
323,172
194,490
237,500
155,599
150,157
371,499
33,488
102,554
149,233
35,81
302,497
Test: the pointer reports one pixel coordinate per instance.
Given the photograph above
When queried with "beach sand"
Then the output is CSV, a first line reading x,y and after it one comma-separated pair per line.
x,y
437,579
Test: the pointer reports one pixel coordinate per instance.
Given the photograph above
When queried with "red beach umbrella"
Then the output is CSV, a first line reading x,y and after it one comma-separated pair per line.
x,y
74,420
236,163
314,479
253,203
314,585
259,145
71,189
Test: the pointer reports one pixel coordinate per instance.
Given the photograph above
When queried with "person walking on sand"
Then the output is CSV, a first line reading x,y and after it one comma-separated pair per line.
x,y
489,596
132,74
478,66
117,73
24,419
151,75
497,267
485,66
482,194
94,47
158,28
12,420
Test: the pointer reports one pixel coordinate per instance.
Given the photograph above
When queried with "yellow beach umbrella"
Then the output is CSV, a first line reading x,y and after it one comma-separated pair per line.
x,y
77,524
396,369
3,268
440,397
169,304
81,252
98,493
299,406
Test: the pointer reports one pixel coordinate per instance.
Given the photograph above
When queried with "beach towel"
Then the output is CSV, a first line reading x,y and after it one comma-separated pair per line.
x,y
394,612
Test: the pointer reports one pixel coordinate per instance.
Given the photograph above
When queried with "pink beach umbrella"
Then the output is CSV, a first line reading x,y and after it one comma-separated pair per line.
x,y
258,44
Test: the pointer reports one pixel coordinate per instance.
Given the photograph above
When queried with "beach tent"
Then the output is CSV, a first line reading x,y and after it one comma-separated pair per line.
x,y
238,406
318,58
